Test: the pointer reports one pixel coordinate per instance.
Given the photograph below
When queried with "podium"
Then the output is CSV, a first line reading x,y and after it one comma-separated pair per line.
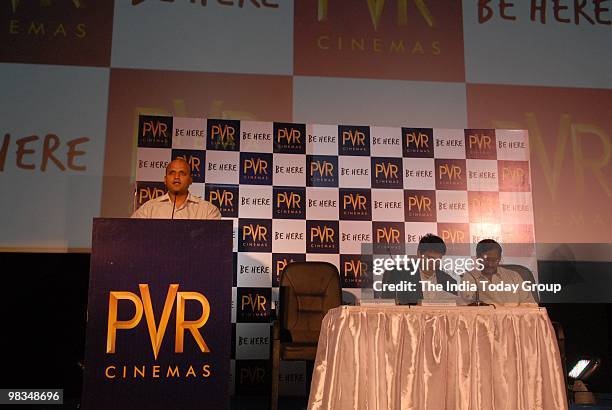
x,y
159,326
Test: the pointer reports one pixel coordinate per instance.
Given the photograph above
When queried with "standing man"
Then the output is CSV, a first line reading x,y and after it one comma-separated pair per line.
x,y
491,252
177,203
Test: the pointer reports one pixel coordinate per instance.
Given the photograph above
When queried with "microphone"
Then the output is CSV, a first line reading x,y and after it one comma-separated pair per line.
x,y
173,206
479,302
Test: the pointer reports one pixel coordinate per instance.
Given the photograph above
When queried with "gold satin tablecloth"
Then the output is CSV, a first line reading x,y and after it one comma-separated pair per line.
x,y
395,357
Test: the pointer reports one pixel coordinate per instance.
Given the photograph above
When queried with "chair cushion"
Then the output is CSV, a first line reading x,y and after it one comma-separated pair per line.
x,y
298,351
310,303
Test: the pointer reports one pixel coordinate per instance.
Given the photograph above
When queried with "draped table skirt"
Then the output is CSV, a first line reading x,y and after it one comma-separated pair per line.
x,y
396,357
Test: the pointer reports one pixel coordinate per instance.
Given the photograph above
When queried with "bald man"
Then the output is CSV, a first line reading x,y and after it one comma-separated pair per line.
x,y
177,203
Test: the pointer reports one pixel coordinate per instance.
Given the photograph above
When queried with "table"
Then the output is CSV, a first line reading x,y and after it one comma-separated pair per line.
x,y
399,357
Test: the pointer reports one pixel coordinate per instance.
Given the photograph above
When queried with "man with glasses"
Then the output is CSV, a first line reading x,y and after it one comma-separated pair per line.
x,y
509,281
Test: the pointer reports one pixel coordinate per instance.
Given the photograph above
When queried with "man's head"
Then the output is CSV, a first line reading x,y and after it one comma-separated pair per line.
x,y
490,252
432,248
178,176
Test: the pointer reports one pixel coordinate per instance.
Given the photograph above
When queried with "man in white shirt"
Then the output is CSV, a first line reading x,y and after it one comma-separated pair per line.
x,y
490,252
177,203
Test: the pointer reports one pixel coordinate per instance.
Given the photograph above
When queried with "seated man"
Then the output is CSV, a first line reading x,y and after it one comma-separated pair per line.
x,y
490,252
431,249
177,203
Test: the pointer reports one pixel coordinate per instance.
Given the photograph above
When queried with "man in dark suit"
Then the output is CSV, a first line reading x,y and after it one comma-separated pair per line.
x,y
431,249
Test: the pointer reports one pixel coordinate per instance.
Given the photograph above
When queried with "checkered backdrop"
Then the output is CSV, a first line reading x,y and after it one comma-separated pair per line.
x,y
307,192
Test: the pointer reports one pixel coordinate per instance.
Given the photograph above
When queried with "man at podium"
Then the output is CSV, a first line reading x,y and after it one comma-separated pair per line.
x,y
177,203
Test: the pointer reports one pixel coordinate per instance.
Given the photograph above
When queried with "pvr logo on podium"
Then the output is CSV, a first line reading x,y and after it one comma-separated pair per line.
x,y
353,140
154,131
156,334
157,330
417,142
222,135
289,138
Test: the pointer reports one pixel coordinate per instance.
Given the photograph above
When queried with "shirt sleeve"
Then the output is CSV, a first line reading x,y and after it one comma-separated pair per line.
x,y
143,212
524,296
213,212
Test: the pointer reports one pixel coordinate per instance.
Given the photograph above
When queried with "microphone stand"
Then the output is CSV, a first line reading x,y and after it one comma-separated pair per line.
x,y
477,302
173,206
